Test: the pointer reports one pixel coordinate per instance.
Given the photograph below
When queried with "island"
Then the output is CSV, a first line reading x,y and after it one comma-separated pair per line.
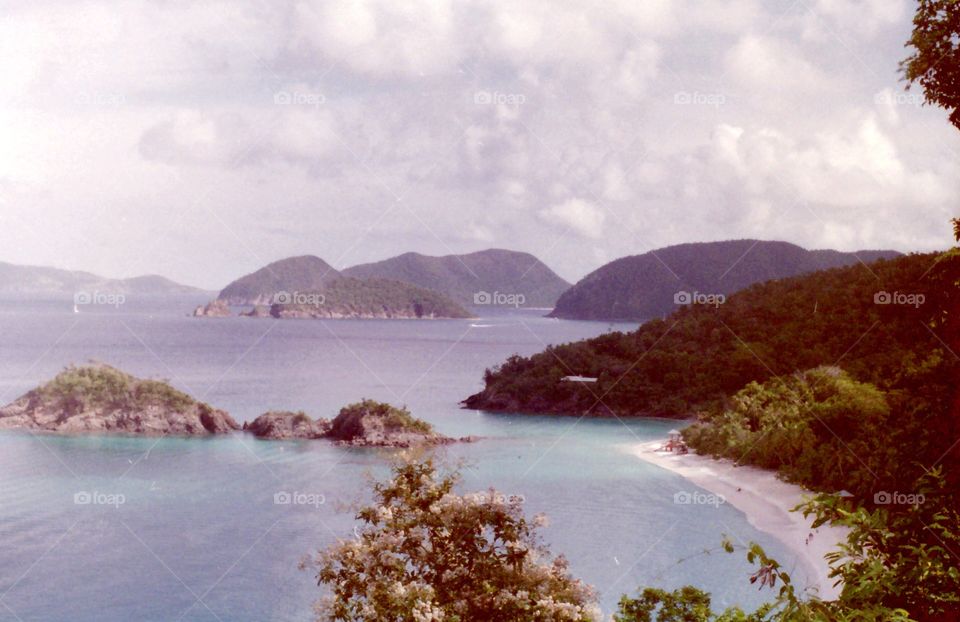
x,y
286,425
308,288
100,398
654,284
492,276
366,423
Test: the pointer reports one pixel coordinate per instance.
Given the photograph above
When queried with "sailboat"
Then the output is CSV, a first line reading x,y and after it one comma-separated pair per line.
x,y
75,308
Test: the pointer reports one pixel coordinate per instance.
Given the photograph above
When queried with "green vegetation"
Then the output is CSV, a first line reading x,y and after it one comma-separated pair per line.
x,y
305,273
935,62
820,428
393,419
364,297
80,388
643,287
462,276
700,354
426,553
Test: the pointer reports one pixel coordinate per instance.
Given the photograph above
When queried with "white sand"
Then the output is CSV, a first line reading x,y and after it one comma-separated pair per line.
x,y
766,501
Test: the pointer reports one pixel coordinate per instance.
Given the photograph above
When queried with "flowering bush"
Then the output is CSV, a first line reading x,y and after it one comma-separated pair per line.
x,y
425,553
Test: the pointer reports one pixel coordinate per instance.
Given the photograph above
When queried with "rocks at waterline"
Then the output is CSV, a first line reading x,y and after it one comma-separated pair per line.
x,y
214,308
101,398
376,424
285,425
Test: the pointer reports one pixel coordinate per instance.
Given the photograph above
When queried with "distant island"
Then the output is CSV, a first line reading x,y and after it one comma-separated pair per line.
x,y
40,280
868,320
101,398
307,287
467,278
654,284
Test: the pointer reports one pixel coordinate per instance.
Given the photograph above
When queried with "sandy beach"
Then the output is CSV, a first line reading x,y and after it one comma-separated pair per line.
x,y
766,502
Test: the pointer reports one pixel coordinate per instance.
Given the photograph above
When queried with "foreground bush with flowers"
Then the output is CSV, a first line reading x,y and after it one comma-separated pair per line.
x,y
426,553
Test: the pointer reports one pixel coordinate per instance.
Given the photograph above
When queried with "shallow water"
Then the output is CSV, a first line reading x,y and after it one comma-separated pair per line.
x,y
198,535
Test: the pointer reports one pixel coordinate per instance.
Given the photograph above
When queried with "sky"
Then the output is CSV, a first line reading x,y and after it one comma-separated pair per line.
x,y
203,140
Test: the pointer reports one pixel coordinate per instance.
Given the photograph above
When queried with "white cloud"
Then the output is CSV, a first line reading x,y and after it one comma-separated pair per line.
x,y
583,217
115,118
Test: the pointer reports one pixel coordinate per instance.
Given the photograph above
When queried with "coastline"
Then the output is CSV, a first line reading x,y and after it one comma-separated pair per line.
x,y
766,501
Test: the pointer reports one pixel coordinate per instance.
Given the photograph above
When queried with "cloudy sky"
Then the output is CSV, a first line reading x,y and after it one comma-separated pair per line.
x,y
202,140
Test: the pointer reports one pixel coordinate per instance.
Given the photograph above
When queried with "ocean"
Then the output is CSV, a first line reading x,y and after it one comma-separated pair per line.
x,y
99,528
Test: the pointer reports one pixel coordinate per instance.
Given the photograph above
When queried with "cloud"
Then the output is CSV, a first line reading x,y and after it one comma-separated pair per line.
x,y
583,217
362,128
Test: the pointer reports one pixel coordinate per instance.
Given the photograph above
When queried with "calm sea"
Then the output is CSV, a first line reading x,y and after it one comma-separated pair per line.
x,y
120,529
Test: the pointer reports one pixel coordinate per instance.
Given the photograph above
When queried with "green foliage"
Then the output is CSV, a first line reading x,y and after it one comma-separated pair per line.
x,y
900,558
79,388
462,276
642,287
348,296
427,553
935,62
820,428
700,354
394,419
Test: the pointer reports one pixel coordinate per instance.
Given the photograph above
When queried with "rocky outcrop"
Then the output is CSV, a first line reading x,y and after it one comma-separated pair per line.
x,y
100,398
257,311
214,308
285,425
374,424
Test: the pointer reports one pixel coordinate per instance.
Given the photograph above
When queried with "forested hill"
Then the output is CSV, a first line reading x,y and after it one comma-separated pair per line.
x,y
873,321
466,278
643,287
293,274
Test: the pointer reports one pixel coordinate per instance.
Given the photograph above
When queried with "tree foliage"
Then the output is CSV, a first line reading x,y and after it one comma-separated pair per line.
x,y
426,553
935,61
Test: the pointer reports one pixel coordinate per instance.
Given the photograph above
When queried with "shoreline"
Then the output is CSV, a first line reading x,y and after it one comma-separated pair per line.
x,y
766,501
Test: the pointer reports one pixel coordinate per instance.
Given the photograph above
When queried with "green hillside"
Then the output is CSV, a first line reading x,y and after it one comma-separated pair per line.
x,y
643,287
463,276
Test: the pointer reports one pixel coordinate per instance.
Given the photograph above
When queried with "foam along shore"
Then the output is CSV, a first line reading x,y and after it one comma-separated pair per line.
x,y
766,500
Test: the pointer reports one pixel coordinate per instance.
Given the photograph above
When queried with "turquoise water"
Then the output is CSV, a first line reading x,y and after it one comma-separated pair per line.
x,y
187,529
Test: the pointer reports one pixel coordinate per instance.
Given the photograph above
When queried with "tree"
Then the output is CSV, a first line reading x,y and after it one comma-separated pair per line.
x,y
935,62
426,553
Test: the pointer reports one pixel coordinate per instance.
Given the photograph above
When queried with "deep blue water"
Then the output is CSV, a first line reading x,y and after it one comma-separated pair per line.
x,y
198,535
